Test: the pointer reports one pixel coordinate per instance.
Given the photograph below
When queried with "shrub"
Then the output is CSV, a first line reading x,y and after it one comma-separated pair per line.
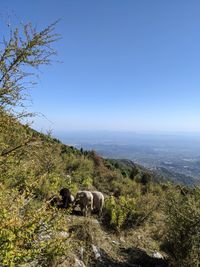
x,y
182,239
120,212
28,232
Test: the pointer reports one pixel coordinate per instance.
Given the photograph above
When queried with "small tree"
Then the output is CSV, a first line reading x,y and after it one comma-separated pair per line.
x,y
146,178
25,49
134,171
20,56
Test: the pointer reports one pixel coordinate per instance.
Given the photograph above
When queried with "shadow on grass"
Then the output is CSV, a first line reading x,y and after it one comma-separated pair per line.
x,y
133,257
141,258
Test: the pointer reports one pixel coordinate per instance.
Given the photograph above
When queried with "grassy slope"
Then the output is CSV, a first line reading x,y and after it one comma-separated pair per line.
x,y
128,232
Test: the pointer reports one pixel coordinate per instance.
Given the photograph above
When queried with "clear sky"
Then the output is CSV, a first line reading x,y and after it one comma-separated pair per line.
x,y
128,65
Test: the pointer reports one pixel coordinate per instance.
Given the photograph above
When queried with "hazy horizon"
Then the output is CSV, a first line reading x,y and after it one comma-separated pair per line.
x,y
105,132
177,154
128,138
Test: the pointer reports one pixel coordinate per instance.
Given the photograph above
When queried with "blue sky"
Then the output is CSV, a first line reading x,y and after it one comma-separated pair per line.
x,y
130,65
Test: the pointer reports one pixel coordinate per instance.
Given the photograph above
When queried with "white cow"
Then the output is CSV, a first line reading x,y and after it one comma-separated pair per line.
x,y
84,199
98,202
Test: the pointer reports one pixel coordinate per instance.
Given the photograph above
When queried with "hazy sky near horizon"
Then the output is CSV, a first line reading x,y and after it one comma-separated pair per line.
x,y
130,65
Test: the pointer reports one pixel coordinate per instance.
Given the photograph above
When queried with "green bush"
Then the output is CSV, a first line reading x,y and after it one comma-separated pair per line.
x,y
127,212
28,232
120,212
182,238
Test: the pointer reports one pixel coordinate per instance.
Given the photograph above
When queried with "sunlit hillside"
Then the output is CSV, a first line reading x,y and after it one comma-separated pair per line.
x,y
61,206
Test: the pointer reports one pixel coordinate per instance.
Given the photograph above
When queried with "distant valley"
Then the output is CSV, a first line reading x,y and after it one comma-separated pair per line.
x,y
177,156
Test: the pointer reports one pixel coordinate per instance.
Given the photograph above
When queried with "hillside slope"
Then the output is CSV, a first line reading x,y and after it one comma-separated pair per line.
x,y
175,177
132,231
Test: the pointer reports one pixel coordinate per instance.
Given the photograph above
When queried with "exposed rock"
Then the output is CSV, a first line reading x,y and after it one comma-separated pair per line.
x,y
115,242
64,234
122,239
81,250
44,237
158,255
97,253
79,263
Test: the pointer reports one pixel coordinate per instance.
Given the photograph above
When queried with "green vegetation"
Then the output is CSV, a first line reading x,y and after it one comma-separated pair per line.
x,y
140,212
182,240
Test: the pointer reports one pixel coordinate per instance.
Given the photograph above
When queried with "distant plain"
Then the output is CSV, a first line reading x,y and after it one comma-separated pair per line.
x,y
178,152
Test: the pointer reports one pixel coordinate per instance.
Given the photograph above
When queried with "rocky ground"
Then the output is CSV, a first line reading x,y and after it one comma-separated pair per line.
x,y
92,245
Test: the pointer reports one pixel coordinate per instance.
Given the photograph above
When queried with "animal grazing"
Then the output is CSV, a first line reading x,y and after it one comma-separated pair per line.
x,y
84,199
87,201
67,198
98,202
72,198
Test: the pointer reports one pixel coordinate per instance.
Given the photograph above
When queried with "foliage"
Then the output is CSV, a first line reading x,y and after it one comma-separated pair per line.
x,y
146,178
118,212
182,239
28,233
26,48
30,163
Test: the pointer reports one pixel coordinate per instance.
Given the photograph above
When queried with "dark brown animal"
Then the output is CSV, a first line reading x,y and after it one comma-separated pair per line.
x,y
67,198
